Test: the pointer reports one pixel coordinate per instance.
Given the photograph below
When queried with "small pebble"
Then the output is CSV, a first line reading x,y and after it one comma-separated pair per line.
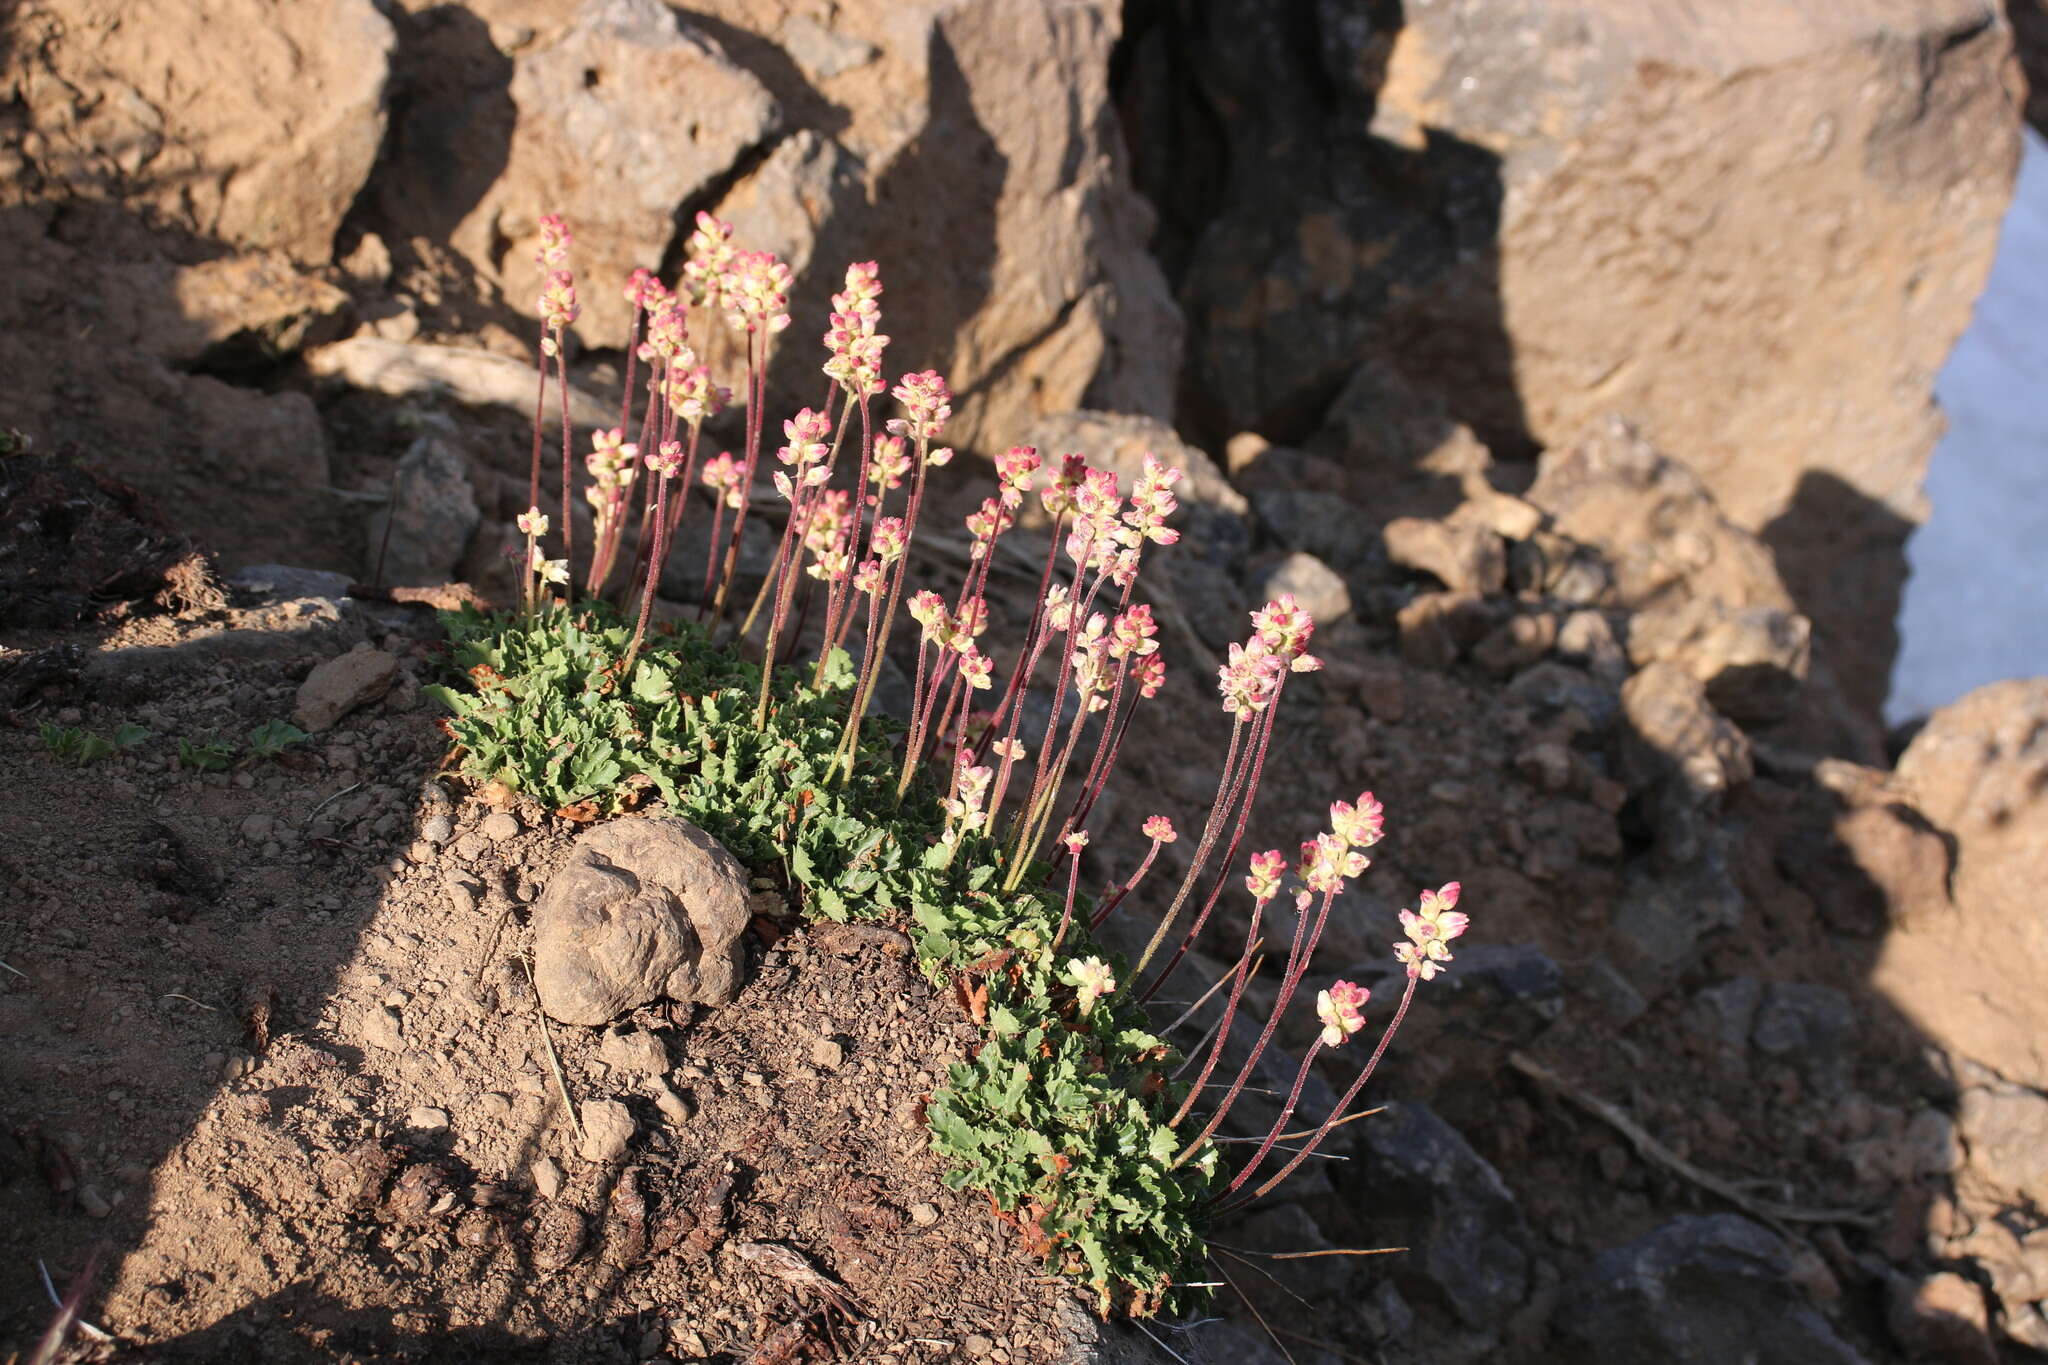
x,y
499,826
437,830
93,1202
427,1119
828,1054
547,1177
924,1215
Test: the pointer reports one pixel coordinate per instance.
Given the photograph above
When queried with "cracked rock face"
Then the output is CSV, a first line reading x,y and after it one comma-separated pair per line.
x,y
644,909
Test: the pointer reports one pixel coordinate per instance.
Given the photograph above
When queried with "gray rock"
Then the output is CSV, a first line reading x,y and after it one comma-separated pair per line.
x,y
823,52
644,908
1809,1024
1315,586
682,573
282,583
1677,741
1612,992
275,443
1697,1291
342,684
1438,627
637,1051
608,1130
1731,1008
431,515
1415,1182
1751,659
1332,528
1553,688
1661,915
458,374
1503,992
1587,638
2005,1130
1467,558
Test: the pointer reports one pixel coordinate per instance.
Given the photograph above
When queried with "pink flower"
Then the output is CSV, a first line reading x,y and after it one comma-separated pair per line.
x,y
1160,829
557,303
668,460
1284,626
533,522
976,668
1132,632
755,286
1430,931
888,540
642,288
710,250
1091,980
1250,679
1263,881
1076,841
926,398
1326,861
927,608
1150,674
888,463
554,242
1360,825
1342,1010
722,476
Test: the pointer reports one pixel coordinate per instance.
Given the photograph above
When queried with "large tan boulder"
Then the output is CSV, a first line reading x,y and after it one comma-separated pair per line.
x,y
976,156
255,122
1969,970
1753,228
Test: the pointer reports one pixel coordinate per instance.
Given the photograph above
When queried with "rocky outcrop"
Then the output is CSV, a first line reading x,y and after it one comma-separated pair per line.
x,y
1978,772
615,119
1516,219
254,122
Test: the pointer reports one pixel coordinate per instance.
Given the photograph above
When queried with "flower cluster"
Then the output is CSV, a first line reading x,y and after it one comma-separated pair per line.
x,y
709,254
1430,930
723,477
553,252
558,306
1342,1010
692,395
854,338
756,292
929,403
805,453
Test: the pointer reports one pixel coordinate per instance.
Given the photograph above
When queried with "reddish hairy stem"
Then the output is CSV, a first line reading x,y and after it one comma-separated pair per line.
x,y
1297,967
1111,902
1250,794
1372,1064
1213,826
1241,975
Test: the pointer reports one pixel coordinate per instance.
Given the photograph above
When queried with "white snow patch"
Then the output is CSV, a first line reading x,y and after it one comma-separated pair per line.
x,y
1976,607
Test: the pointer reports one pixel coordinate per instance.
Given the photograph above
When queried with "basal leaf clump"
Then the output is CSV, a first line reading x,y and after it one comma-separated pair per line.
x,y
1063,1125
1076,1118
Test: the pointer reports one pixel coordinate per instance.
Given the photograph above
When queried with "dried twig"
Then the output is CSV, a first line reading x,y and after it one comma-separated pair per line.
x,y
328,802
554,1062
1657,1154
21,974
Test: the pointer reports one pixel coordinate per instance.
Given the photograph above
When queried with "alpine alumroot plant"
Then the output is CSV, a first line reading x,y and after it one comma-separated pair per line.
x,y
1080,1122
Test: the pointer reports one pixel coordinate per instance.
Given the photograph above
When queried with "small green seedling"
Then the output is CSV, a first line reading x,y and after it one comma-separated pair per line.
x,y
209,755
75,746
273,737
128,735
